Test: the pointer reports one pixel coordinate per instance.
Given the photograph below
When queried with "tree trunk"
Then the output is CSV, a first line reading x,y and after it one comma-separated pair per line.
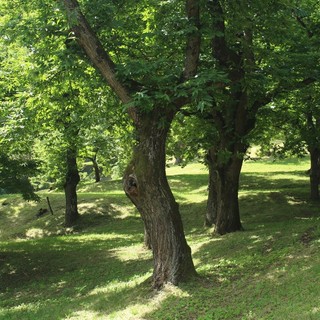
x,y
145,183
223,203
212,202
96,168
314,174
70,188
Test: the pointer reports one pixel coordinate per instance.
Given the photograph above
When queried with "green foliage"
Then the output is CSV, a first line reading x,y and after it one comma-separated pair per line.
x,y
61,99
189,138
15,174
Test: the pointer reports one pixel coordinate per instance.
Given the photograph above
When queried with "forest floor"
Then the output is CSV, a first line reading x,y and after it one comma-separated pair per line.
x,y
100,270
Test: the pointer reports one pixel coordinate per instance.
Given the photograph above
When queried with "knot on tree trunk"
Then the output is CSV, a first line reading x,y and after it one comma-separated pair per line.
x,y
131,185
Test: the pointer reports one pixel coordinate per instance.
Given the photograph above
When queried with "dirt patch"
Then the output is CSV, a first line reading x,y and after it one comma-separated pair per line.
x,y
307,236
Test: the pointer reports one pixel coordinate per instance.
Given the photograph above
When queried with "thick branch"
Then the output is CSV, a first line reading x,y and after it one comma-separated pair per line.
x,y
280,90
194,40
303,24
220,49
88,40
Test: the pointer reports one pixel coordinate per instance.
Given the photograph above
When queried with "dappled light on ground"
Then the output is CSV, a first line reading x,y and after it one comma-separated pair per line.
x,y
99,269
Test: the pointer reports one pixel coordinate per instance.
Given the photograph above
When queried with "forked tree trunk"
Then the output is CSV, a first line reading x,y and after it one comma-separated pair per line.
x,y
70,188
145,183
223,203
314,173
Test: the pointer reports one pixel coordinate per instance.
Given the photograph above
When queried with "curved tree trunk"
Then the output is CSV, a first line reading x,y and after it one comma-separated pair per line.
x,y
145,180
145,183
314,174
223,203
70,188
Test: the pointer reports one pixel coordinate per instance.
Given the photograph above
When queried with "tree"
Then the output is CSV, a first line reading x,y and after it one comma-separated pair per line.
x,y
296,116
296,111
144,83
52,90
107,144
254,51
17,164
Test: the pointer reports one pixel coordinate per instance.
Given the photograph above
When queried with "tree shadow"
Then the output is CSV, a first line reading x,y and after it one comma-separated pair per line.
x,y
188,182
91,272
94,271
267,181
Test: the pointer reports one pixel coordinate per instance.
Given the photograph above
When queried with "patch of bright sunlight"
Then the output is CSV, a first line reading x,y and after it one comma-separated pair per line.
x,y
98,236
35,233
193,168
87,205
276,274
315,310
117,285
137,311
191,197
136,252
250,315
34,306
124,211
256,239
84,315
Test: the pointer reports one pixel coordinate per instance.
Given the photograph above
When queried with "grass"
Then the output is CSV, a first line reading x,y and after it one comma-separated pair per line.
x,y
100,269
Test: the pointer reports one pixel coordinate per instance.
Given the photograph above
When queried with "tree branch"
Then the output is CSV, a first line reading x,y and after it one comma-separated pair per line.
x,y
89,41
302,24
194,40
220,49
279,90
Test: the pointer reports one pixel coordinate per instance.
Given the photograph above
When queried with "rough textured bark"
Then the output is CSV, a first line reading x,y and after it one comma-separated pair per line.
x,y
213,185
223,205
233,117
314,173
70,188
146,185
145,181
96,168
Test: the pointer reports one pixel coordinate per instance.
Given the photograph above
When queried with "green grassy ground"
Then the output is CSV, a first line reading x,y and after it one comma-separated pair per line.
x,y
100,270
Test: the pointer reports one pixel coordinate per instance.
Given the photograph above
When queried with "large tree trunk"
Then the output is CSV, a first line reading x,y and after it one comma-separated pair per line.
x,y
70,188
223,204
314,173
146,185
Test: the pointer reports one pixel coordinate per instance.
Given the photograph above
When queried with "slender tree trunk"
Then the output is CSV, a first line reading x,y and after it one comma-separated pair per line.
x,y
145,183
70,188
96,168
314,173
223,203
213,192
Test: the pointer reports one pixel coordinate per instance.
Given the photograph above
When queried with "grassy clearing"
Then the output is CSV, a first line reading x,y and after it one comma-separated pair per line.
x,y
100,270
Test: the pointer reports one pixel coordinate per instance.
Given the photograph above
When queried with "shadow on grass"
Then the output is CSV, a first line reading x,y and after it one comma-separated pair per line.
x,y
87,271
188,182
268,181
105,271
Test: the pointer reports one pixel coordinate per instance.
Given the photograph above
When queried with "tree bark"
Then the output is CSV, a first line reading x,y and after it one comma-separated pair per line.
x,y
314,173
145,180
70,188
96,168
212,202
145,183
223,204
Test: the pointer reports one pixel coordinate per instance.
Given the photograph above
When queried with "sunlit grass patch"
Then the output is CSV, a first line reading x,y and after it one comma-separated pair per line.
x,y
100,270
